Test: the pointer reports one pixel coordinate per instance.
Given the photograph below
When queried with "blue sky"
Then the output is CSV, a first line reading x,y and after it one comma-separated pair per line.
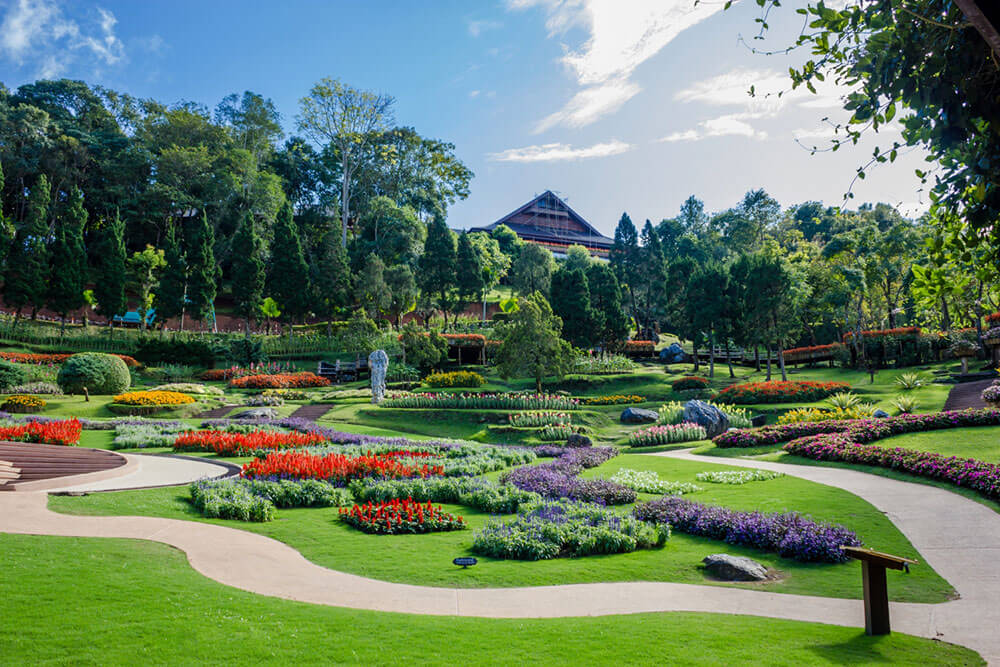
x,y
618,105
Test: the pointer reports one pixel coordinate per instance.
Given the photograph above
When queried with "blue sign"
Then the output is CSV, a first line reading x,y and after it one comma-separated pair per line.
x,y
465,562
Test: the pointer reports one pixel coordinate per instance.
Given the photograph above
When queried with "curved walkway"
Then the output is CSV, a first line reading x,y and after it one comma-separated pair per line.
x,y
967,395
153,470
957,536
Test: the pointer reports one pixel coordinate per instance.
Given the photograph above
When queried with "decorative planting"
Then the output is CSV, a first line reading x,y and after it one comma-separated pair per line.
x,y
558,479
56,432
602,364
688,383
557,432
394,517
614,399
647,481
455,379
22,403
666,434
336,468
738,476
476,492
750,393
479,401
153,398
255,500
279,381
825,414
242,444
538,419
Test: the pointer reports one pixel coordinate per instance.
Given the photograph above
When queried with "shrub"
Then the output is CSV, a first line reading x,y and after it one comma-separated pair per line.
x,y
780,392
255,500
475,492
737,476
36,388
173,350
190,388
455,379
614,399
905,404
22,403
261,400
481,401
666,434
844,400
688,383
537,419
909,381
11,375
603,364
153,398
647,481
821,414
991,394
287,394
279,381
96,372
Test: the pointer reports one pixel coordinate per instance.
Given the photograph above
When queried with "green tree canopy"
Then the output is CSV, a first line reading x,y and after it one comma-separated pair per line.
x,y
531,344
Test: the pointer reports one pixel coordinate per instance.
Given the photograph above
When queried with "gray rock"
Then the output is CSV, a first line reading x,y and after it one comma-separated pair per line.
x,y
578,440
734,568
711,418
256,413
880,414
673,354
638,416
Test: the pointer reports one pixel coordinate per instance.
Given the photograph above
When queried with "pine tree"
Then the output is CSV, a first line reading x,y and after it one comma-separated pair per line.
x,y
438,264
248,270
28,264
652,281
202,271
109,288
469,272
571,302
374,292
69,258
288,273
403,288
6,229
330,278
610,320
169,299
624,256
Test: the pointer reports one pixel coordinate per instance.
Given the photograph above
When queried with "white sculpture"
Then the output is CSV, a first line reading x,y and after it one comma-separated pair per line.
x,y
378,363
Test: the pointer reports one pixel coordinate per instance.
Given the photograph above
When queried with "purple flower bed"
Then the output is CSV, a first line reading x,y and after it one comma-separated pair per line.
x,y
860,430
558,479
788,534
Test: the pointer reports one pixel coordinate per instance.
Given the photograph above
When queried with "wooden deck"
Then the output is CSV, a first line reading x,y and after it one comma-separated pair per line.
x,y
22,462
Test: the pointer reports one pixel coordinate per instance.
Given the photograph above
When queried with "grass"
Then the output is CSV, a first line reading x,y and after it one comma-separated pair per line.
x,y
426,559
981,443
135,601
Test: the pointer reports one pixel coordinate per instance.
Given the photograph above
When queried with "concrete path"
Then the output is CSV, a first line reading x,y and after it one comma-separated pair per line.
x,y
959,537
152,470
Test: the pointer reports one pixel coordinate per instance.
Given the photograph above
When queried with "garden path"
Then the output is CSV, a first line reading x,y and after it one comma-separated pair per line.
x,y
313,412
216,413
967,395
152,470
957,536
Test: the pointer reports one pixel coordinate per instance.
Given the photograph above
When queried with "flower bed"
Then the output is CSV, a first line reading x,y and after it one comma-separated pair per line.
x,y
558,479
666,434
688,383
825,414
555,432
190,388
614,399
394,517
738,476
289,394
235,371
279,381
156,398
475,492
242,444
647,481
673,413
812,353
56,432
991,394
537,419
789,534
53,358
750,393
566,529
142,435
642,347
261,401
479,401
603,364
455,379
22,403
255,500
335,468
884,333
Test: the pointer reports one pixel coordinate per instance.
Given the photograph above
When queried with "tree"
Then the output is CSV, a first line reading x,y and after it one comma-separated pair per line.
x,y
532,270
27,275
287,272
392,232
510,243
144,269
610,321
330,279
347,119
203,273
359,334
578,257
437,275
468,273
248,270
253,121
403,291
706,304
571,302
68,258
6,229
109,286
495,263
373,291
624,256
531,344
650,280
170,297
423,349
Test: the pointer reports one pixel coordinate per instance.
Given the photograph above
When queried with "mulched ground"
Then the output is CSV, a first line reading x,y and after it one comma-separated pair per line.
x,y
966,395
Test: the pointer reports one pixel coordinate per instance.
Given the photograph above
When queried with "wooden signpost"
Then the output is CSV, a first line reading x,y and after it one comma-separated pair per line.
x,y
873,566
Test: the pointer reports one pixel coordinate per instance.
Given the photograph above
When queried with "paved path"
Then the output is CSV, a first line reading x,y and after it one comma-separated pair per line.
x,y
958,537
313,412
967,395
216,413
152,470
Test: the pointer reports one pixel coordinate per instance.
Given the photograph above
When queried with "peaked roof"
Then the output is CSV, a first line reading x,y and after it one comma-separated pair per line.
x,y
559,203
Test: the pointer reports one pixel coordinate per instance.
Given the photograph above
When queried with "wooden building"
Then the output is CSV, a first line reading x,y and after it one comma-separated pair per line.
x,y
548,221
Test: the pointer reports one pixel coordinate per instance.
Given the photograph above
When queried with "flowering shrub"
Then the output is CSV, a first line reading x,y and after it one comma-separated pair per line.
x,y
335,468
255,500
455,379
689,382
991,394
555,432
59,432
536,419
614,399
235,371
813,352
640,347
53,358
558,479
396,516
477,401
737,476
22,403
673,413
465,340
666,434
153,398
36,388
279,381
779,392
885,333
647,481
602,364
242,444
476,492
788,534
190,388
565,529
823,414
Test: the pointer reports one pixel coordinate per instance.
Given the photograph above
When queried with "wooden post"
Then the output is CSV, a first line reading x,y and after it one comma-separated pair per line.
x,y
876,591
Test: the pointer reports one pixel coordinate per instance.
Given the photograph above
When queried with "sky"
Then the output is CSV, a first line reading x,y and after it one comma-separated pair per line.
x,y
615,105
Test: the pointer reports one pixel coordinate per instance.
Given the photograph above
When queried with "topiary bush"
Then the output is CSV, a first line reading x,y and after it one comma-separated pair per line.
x,y
11,375
98,373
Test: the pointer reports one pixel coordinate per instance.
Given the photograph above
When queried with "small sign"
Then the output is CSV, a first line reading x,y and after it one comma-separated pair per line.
x,y
465,562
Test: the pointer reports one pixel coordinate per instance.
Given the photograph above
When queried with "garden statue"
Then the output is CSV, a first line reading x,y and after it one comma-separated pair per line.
x,y
378,362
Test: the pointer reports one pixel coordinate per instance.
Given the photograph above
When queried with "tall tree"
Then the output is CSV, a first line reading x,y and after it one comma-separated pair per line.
x,y
28,265
571,302
468,273
578,257
437,275
288,272
109,284
531,343
170,297
610,319
532,270
248,270
495,262
6,229
347,119
372,289
650,279
69,258
331,279
403,291
144,269
624,257
203,272
707,304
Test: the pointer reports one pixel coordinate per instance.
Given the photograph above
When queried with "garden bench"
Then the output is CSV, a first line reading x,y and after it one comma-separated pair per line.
x,y
342,371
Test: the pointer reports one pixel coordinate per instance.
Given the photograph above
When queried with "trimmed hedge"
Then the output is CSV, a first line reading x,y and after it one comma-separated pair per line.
x,y
11,375
97,372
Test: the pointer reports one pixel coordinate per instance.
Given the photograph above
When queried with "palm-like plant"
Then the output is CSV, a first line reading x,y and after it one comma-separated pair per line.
x,y
910,381
844,400
905,404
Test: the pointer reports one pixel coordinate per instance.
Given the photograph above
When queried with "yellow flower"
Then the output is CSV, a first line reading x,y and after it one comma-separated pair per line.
x,y
153,398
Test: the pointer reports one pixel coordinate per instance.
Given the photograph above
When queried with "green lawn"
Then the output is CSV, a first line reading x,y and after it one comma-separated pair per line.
x,y
99,602
981,443
426,559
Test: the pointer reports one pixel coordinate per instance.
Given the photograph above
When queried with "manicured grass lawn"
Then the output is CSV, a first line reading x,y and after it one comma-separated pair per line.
x,y
981,443
111,601
426,559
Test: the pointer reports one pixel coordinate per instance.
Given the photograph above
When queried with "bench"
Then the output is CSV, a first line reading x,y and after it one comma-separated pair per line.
x,y
343,371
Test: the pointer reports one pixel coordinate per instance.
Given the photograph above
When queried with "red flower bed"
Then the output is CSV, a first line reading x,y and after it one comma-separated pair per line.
x,y
689,382
393,517
898,331
646,346
242,444
335,468
217,374
779,392
65,432
465,340
53,358
279,381
812,351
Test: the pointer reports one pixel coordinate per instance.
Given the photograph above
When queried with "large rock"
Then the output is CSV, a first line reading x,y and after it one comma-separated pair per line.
x,y
880,414
673,354
638,416
711,418
256,413
578,440
734,568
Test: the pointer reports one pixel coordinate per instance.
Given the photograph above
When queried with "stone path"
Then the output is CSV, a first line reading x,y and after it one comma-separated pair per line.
x,y
313,412
966,395
957,536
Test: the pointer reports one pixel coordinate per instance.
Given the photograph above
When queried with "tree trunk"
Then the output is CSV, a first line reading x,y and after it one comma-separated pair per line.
x,y
538,384
246,323
711,354
781,363
345,190
697,365
729,360
768,350
756,356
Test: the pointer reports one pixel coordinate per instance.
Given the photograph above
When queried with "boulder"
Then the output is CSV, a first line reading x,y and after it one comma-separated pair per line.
x,y
578,440
758,420
880,414
638,416
709,417
734,568
256,413
673,354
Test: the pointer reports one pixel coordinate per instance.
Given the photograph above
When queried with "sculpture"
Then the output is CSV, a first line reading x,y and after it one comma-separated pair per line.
x,y
378,362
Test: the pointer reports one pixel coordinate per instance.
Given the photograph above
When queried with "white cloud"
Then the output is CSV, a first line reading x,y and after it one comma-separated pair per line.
x,y
38,31
473,93
723,126
560,152
623,34
476,28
